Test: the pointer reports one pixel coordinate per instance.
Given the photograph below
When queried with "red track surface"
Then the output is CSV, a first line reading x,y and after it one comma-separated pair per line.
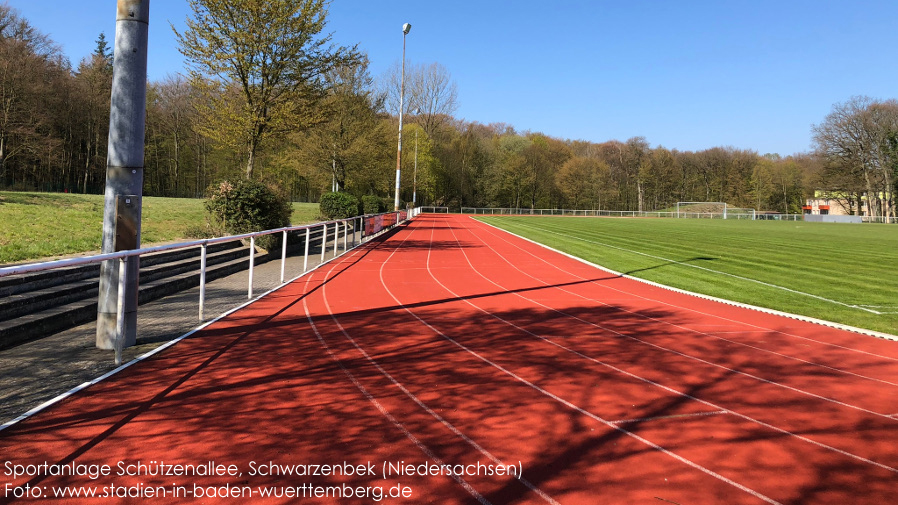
x,y
454,343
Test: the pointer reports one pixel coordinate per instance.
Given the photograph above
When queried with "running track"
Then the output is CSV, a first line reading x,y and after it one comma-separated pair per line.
x,y
451,342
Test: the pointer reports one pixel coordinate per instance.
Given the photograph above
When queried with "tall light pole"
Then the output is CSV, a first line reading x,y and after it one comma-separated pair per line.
x,y
405,29
415,183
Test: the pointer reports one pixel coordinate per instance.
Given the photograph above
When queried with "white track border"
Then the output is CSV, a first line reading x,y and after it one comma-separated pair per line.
x,y
807,319
165,346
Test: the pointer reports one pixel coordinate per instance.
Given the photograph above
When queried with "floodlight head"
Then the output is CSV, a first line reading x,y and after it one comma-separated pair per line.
x,y
406,27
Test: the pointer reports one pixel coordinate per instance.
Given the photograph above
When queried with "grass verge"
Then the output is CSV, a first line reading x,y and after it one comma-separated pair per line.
x,y
49,225
842,273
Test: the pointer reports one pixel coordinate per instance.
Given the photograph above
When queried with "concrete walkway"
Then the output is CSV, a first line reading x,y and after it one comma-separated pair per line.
x,y
35,372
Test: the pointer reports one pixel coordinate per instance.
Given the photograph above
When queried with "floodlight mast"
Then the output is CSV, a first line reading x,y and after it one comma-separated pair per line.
x,y
124,176
405,29
415,179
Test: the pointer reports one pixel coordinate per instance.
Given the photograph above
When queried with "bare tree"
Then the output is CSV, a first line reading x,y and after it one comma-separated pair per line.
x,y
429,89
857,137
28,60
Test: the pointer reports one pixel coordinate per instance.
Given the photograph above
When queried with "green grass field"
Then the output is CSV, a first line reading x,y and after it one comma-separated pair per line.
x,y
48,225
836,272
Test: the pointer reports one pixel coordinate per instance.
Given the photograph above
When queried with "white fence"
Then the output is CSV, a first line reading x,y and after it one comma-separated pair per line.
x,y
626,213
731,214
331,230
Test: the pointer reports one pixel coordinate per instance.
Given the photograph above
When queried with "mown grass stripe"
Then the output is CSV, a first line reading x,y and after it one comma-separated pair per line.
x,y
847,269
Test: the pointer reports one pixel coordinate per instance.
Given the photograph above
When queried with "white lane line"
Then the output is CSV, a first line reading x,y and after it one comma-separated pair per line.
x,y
711,334
765,310
664,418
426,450
705,297
562,400
651,344
651,382
417,400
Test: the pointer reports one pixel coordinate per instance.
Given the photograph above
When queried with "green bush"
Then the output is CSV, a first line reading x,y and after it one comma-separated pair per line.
x,y
338,205
248,206
372,204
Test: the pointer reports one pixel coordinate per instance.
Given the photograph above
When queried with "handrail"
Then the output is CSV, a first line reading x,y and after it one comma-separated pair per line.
x,y
98,258
123,256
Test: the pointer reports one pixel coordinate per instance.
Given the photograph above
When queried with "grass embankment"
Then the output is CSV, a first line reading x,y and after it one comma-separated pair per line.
x,y
843,273
48,225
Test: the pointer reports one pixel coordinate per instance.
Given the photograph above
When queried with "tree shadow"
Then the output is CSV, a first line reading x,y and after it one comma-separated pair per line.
x,y
574,393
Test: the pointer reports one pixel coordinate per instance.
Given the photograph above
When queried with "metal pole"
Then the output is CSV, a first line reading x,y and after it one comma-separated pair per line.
x,y
405,28
336,237
345,236
305,259
415,180
203,283
120,314
124,170
323,242
283,256
252,262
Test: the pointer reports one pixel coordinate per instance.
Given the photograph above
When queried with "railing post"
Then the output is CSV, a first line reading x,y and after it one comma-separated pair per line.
x,y
336,237
120,311
345,236
203,282
305,258
283,256
252,262
323,242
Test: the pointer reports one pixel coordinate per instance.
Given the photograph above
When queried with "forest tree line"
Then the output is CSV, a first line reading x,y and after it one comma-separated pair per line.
x,y
54,127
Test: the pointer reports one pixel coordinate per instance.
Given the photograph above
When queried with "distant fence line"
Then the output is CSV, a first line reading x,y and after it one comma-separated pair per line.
x,y
732,214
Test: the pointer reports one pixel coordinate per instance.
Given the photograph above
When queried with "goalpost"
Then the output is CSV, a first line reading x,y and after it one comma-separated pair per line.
x,y
713,210
701,209
741,213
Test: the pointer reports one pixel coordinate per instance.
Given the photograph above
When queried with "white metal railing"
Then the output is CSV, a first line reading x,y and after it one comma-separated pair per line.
x,y
629,213
124,256
434,210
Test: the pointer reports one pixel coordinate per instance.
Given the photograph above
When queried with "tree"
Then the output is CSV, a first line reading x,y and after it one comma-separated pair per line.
x,y
261,66
857,138
170,123
429,89
580,180
30,66
94,82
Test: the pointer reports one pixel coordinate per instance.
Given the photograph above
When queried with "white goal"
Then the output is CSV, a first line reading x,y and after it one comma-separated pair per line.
x,y
713,210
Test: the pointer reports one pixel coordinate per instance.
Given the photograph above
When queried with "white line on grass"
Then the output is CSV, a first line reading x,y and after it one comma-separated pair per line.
x,y
561,400
716,335
620,370
748,279
821,322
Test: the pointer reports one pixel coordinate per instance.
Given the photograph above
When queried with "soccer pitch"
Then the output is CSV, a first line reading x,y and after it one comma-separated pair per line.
x,y
836,272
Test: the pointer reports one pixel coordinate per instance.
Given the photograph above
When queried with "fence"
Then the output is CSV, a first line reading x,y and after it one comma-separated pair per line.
x,y
632,213
331,229
608,213
434,210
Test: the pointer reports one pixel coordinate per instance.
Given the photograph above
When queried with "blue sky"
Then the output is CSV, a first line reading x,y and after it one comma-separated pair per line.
x,y
684,74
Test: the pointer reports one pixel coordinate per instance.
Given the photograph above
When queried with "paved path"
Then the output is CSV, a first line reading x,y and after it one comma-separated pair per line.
x,y
35,372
